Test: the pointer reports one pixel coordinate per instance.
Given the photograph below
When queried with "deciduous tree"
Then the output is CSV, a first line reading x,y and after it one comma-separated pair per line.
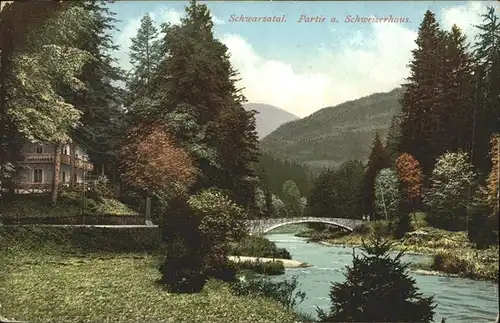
x,y
410,175
452,180
151,161
387,195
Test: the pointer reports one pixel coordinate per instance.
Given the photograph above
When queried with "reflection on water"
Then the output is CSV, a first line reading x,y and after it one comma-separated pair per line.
x,y
459,300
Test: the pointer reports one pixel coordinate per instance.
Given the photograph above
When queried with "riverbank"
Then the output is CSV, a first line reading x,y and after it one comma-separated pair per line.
x,y
458,300
287,263
452,253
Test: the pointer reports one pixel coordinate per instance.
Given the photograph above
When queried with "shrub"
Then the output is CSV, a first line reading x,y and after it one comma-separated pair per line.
x,y
257,246
225,271
196,232
382,228
378,288
448,263
282,291
182,271
362,229
270,268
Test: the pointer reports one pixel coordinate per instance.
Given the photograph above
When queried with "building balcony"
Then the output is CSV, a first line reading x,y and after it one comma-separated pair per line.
x,y
45,158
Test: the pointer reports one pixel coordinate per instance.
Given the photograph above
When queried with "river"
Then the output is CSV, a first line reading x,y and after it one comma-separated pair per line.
x,y
458,300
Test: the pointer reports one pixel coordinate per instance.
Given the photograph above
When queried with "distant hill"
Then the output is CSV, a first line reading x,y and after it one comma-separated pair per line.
x,y
269,117
333,135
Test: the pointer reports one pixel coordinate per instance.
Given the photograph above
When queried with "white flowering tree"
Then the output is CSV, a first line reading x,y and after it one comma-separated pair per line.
x,y
452,179
387,195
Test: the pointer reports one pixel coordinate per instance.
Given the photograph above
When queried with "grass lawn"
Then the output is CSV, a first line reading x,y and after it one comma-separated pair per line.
x,y
41,287
69,204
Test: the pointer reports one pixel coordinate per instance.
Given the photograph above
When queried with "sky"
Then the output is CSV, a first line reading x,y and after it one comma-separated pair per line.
x,y
302,67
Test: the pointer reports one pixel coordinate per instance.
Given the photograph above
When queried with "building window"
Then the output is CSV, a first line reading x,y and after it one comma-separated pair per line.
x,y
64,177
37,175
39,149
65,150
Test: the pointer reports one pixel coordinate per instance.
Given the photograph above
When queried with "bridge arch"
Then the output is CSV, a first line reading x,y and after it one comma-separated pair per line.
x,y
265,225
306,221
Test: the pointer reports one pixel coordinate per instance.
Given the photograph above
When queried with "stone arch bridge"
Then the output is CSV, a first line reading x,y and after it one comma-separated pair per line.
x,y
261,226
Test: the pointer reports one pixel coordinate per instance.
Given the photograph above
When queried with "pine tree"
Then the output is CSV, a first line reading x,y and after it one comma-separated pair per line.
x,y
321,201
378,288
102,126
145,54
204,108
487,116
455,111
377,160
421,125
393,138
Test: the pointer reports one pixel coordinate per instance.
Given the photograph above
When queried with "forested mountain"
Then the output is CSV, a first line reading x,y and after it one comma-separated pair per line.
x,y
269,118
336,134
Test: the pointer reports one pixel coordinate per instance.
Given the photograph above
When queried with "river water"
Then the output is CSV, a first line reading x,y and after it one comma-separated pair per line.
x,y
458,300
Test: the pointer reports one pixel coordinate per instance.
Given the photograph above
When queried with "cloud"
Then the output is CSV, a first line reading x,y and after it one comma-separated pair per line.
x,y
345,69
465,16
364,64
341,69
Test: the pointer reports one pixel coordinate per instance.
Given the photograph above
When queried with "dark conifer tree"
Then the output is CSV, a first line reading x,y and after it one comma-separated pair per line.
x,y
377,160
487,114
378,288
457,107
421,100
145,54
393,138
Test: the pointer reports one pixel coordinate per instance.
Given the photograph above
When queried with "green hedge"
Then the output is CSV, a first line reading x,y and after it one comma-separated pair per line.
x,y
81,239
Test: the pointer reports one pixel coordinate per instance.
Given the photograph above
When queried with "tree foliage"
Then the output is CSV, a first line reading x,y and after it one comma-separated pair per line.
x,y
487,55
203,108
338,193
387,195
452,180
377,160
145,54
151,161
493,178
293,203
378,288
410,175
47,62
221,220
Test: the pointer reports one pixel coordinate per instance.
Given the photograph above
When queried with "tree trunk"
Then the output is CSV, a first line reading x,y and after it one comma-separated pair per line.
x,y
148,210
72,166
385,210
57,173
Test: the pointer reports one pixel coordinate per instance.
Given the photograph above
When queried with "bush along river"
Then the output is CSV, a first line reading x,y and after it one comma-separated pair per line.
x,y
458,300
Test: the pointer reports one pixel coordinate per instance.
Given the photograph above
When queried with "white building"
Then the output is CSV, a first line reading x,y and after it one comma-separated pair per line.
x,y
38,160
